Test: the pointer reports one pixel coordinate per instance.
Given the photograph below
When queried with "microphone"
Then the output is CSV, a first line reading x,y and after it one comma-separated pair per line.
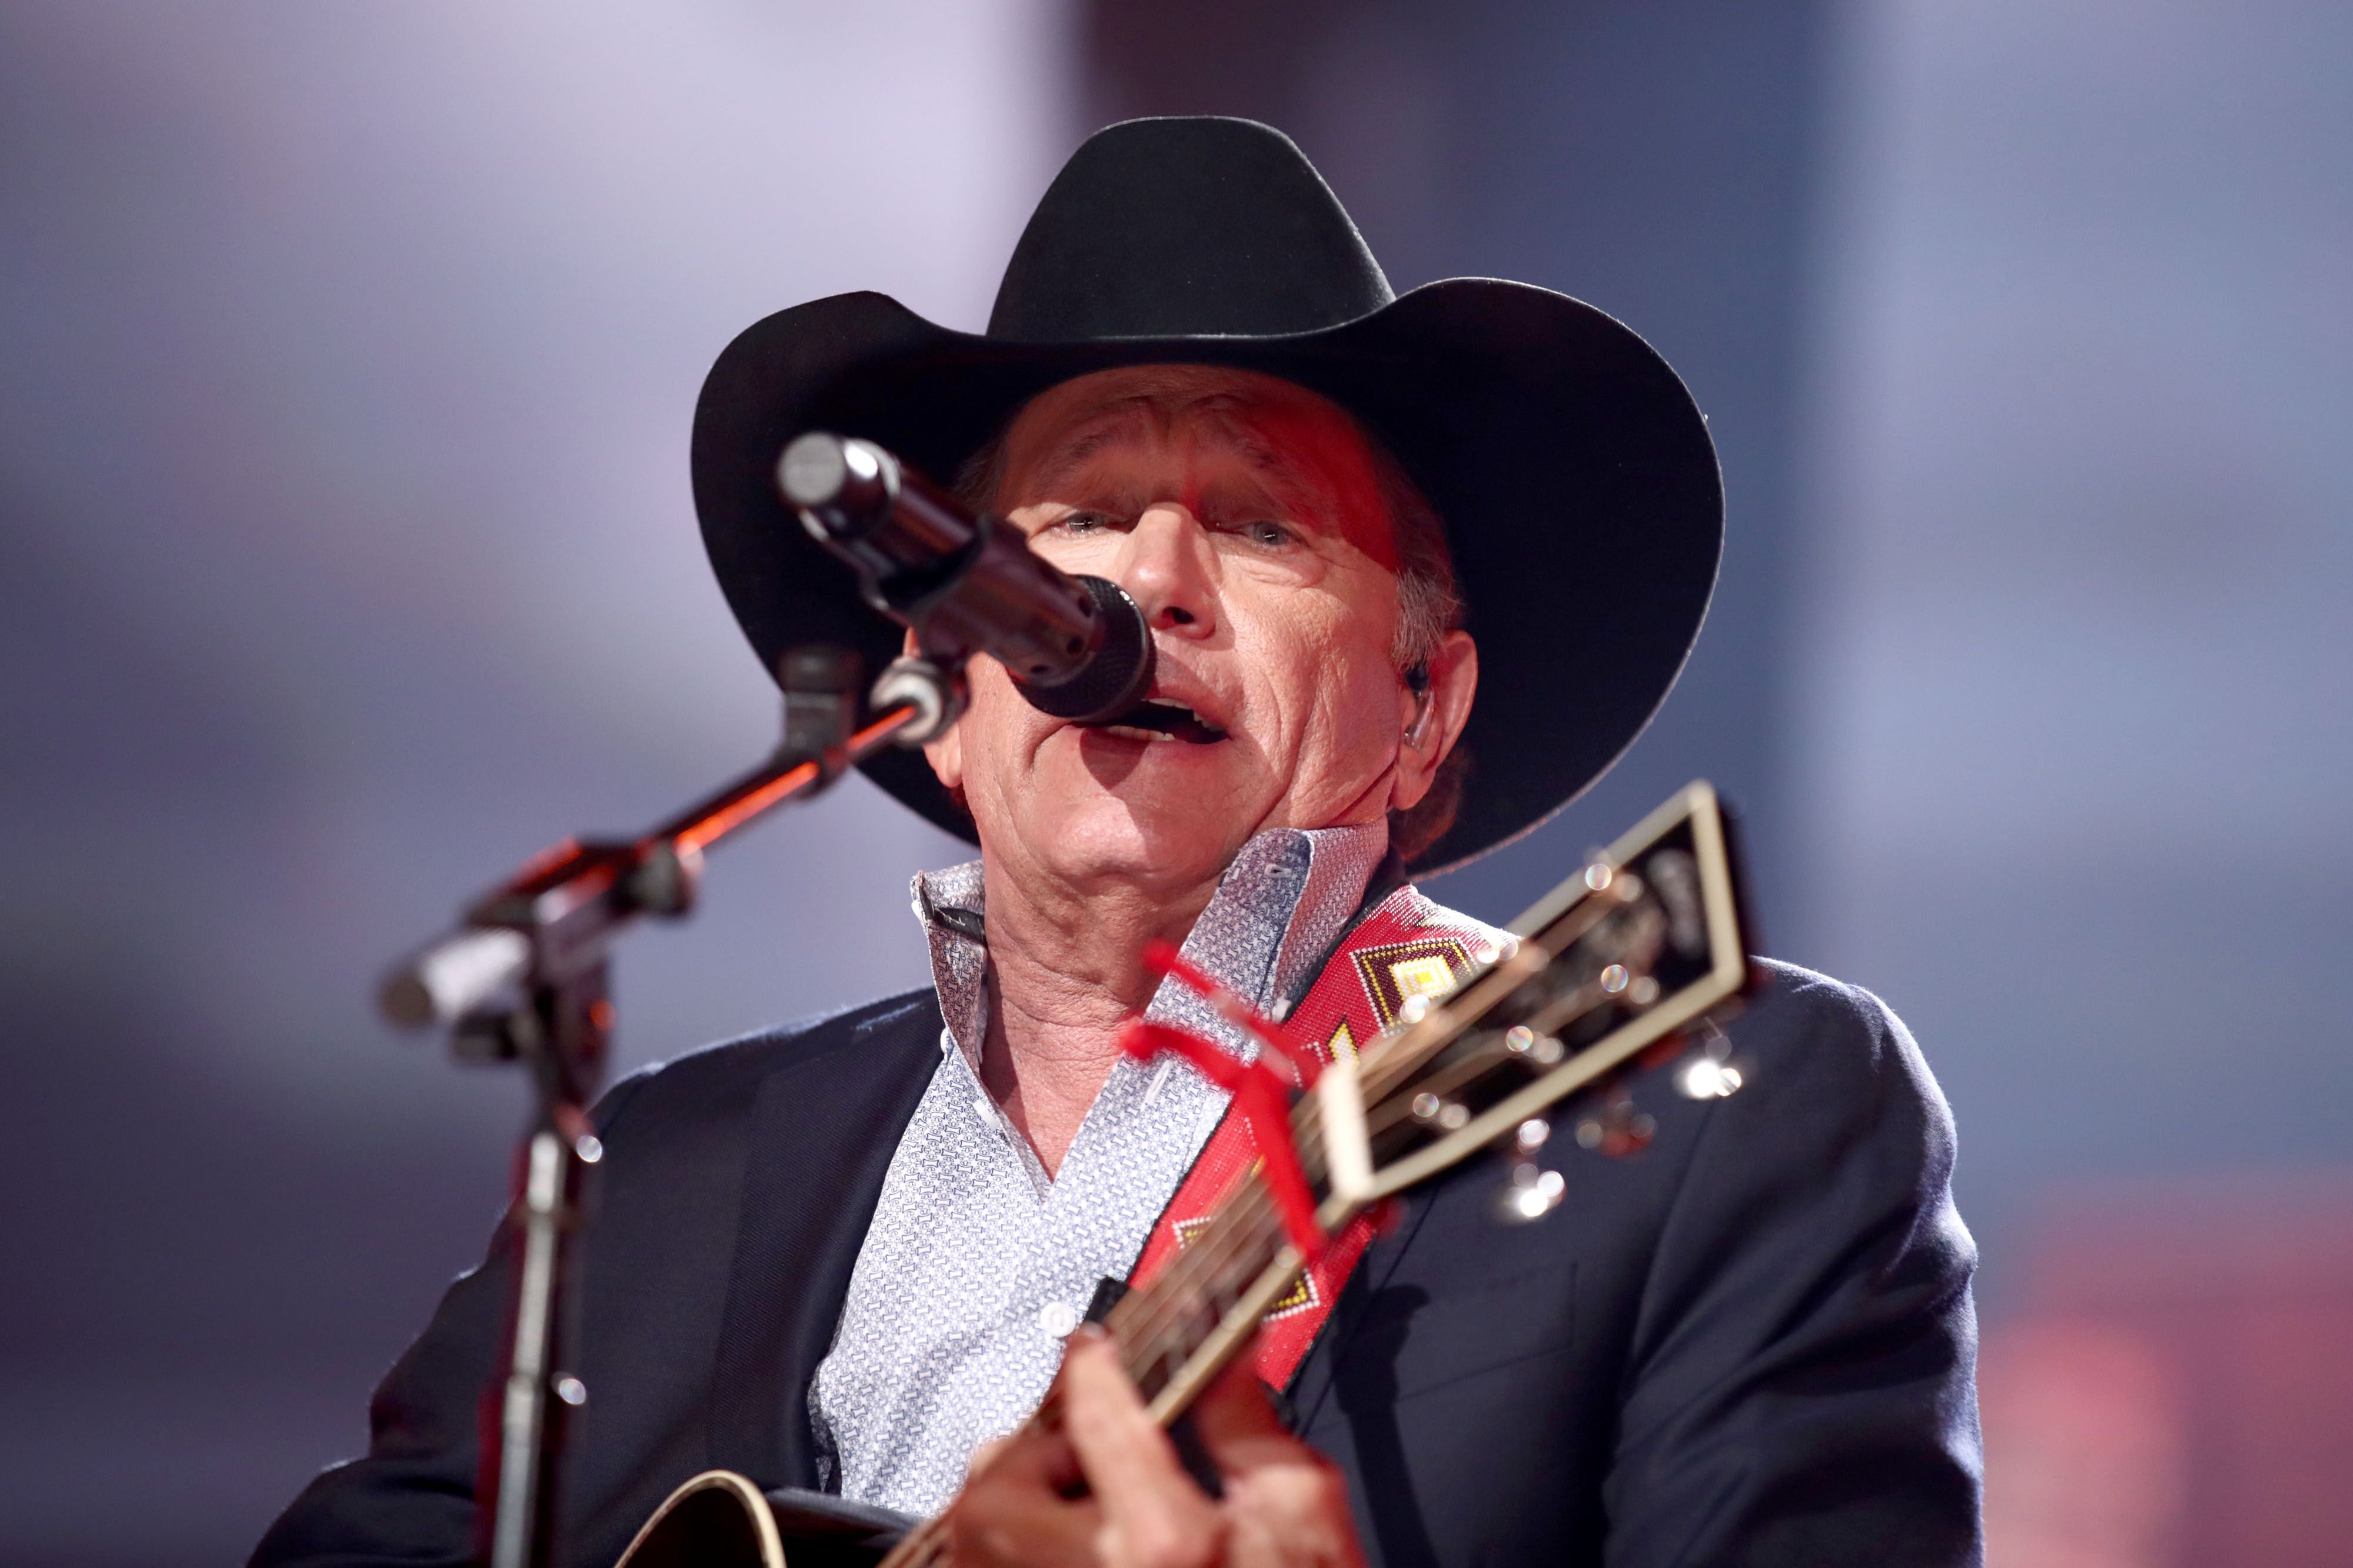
x,y
1077,648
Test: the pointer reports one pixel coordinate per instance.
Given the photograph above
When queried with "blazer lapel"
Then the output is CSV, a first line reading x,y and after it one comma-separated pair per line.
x,y
823,1133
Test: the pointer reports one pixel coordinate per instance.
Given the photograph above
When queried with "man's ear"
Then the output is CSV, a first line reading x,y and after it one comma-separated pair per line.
x,y
947,754
1431,719
946,757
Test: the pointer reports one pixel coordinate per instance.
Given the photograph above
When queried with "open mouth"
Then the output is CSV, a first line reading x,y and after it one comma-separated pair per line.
x,y
1157,719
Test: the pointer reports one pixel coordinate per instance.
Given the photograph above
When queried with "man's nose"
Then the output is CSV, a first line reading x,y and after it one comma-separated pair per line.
x,y
1167,568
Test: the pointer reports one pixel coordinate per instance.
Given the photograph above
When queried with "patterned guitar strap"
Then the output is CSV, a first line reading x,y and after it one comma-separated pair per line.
x,y
1407,946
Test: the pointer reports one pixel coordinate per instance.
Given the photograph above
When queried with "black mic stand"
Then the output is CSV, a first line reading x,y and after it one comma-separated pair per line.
x,y
525,981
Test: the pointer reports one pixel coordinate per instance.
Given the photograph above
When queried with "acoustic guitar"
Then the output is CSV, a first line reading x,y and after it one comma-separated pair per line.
x,y
1619,969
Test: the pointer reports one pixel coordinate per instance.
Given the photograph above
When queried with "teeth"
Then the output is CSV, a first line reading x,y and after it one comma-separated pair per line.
x,y
1130,733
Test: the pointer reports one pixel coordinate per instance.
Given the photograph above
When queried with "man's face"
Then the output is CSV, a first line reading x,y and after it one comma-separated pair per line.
x,y
1242,514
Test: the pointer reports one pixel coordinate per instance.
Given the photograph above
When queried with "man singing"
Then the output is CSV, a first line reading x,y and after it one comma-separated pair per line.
x,y
849,1254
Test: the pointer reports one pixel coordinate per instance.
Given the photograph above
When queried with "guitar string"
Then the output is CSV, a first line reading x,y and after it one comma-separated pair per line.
x,y
1154,1328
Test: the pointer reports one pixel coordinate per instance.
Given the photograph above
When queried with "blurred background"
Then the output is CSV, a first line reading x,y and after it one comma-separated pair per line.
x,y
346,360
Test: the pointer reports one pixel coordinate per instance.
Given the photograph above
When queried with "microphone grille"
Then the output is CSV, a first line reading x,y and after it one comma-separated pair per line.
x,y
1119,675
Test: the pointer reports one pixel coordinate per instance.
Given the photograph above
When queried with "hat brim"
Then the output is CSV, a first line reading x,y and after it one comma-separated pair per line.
x,y
1576,477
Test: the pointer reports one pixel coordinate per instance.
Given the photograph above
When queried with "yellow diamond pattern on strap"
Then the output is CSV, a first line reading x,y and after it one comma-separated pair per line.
x,y
1342,1046
1426,976
1395,972
1298,1298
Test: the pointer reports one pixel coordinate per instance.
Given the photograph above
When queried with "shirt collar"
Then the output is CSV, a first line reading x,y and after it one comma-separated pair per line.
x,y
1289,895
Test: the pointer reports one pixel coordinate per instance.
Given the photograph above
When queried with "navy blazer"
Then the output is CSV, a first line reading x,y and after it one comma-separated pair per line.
x,y
1753,1342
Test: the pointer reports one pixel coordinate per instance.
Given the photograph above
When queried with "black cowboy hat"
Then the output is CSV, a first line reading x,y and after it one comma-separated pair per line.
x,y
1574,475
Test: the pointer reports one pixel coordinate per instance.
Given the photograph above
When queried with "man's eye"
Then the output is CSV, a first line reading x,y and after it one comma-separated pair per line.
x,y
1081,522
1270,534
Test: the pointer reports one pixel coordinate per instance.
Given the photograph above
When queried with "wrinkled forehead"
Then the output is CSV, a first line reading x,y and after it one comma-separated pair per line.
x,y
1306,450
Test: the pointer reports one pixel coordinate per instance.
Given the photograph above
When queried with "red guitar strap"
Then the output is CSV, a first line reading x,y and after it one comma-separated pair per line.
x,y
1407,946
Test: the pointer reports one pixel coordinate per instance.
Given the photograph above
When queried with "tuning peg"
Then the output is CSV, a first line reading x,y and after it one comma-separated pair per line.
x,y
1712,1071
1532,1191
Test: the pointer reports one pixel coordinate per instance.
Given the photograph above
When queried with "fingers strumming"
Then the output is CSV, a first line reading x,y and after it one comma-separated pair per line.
x,y
1152,1514
1105,1417
1017,1510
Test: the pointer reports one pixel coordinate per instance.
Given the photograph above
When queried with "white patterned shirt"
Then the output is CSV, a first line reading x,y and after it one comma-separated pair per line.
x,y
976,1263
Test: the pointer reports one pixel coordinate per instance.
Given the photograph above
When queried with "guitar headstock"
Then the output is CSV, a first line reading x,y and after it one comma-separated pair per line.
x,y
1643,944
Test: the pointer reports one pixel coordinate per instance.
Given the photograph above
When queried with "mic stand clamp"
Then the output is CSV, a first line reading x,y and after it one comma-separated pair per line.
x,y
936,695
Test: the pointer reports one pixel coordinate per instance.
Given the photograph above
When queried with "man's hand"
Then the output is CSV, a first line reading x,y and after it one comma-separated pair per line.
x,y
1108,1488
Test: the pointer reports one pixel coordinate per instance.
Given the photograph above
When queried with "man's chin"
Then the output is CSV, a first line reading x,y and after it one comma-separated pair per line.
x,y
1110,840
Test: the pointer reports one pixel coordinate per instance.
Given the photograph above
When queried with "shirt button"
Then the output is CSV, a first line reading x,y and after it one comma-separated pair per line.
x,y
1057,1319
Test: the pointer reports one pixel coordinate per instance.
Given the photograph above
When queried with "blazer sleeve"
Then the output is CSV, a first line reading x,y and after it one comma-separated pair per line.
x,y
409,1500
1801,1384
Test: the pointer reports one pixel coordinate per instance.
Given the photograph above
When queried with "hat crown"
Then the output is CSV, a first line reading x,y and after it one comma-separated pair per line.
x,y
1199,225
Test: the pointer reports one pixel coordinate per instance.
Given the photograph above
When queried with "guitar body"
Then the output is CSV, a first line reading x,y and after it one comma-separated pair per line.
x,y
721,1519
